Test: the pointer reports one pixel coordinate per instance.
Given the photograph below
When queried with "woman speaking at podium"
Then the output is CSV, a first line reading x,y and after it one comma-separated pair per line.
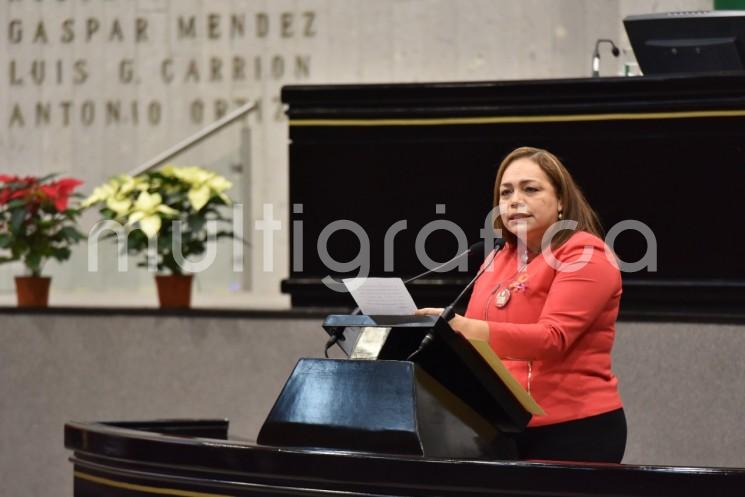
x,y
547,305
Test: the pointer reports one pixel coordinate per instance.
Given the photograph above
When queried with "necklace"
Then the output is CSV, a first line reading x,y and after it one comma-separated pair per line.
x,y
502,297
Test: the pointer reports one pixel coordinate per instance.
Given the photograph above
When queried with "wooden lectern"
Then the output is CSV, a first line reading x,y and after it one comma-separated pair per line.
x,y
447,401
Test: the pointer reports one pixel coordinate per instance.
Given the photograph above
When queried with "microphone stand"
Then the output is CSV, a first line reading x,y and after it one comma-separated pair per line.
x,y
449,311
596,55
473,248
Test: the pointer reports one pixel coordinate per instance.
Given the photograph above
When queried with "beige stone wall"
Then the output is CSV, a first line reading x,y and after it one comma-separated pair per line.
x,y
92,88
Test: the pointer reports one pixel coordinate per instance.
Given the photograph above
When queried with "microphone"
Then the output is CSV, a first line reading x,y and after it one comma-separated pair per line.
x,y
449,311
596,55
473,252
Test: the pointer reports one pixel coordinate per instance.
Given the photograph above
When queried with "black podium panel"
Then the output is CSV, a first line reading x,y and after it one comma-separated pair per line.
x,y
357,405
392,407
448,358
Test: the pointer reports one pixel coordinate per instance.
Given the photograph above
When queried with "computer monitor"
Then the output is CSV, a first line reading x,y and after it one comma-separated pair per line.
x,y
688,42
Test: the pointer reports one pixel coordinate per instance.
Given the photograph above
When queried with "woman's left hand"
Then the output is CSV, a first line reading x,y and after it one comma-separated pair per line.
x,y
454,322
470,328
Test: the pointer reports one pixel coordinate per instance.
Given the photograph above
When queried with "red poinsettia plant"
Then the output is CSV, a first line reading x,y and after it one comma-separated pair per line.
x,y
37,222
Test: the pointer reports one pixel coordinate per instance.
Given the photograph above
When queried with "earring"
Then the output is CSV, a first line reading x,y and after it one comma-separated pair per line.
x,y
561,216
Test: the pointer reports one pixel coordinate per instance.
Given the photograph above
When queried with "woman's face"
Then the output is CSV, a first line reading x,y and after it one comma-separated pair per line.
x,y
528,204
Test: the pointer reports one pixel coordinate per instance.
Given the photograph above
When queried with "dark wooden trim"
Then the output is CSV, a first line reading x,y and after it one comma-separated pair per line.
x,y
203,465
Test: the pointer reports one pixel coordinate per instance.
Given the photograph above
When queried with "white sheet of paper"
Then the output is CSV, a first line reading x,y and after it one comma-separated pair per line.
x,y
381,296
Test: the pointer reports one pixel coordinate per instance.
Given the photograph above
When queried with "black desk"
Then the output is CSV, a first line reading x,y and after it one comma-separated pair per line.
x,y
197,459
666,151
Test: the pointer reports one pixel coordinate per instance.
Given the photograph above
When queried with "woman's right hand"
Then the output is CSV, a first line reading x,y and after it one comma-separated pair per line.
x,y
429,311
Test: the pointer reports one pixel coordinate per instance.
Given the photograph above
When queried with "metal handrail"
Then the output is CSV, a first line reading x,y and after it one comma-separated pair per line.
x,y
194,139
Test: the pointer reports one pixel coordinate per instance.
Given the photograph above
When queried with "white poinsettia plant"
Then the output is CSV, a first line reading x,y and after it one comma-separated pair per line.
x,y
158,207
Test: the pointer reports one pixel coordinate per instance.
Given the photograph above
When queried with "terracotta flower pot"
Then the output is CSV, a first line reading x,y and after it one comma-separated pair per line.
x,y
174,290
32,291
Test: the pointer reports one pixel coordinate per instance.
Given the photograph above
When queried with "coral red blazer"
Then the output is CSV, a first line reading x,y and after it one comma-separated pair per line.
x,y
554,325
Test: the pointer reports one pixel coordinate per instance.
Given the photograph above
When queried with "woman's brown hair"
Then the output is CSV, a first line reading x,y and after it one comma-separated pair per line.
x,y
574,204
